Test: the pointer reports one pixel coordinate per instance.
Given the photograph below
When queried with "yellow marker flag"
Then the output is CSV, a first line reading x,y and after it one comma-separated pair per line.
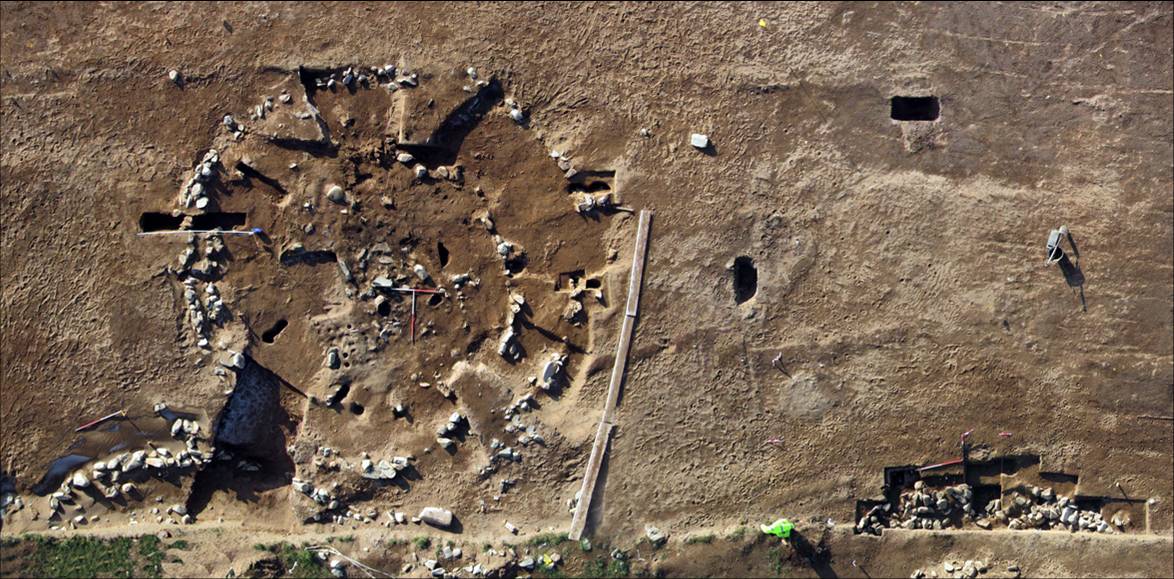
x,y
762,23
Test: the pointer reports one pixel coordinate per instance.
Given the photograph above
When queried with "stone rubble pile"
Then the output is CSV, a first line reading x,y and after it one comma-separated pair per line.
x,y
354,78
106,477
194,192
383,470
921,508
527,434
508,346
935,509
318,495
1031,507
965,570
448,429
1040,508
184,429
507,562
499,453
202,315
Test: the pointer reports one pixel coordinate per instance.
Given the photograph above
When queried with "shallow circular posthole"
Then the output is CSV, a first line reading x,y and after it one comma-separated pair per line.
x,y
745,279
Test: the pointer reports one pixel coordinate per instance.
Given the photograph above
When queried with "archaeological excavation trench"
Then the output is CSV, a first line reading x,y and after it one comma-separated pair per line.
x,y
1014,492
358,212
378,309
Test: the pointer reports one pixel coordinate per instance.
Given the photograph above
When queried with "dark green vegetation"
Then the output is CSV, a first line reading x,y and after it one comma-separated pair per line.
x,y
40,556
548,539
289,561
607,567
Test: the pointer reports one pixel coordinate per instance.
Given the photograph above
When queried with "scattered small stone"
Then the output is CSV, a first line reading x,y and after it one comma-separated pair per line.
x,y
79,480
968,570
1121,519
655,535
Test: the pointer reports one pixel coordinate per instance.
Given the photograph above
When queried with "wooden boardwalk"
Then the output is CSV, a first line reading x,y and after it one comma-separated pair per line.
x,y
607,421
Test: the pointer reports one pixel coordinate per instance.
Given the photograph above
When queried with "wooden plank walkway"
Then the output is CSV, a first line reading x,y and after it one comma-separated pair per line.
x,y
607,421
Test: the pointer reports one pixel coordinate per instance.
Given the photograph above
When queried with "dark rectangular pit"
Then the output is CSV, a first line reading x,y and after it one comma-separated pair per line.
x,y
910,108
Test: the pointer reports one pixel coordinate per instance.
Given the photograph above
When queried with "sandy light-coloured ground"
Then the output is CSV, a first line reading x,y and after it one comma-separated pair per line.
x,y
901,296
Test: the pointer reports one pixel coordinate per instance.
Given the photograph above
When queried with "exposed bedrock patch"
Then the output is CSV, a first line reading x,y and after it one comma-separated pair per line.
x,y
254,419
256,428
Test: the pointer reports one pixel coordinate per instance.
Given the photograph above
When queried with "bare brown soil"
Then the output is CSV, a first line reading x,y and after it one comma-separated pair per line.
x,y
901,295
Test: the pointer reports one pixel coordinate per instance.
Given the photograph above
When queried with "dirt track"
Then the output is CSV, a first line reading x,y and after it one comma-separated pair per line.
x,y
899,266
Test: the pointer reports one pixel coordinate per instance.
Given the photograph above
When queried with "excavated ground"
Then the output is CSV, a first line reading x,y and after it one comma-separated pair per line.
x,y
829,291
